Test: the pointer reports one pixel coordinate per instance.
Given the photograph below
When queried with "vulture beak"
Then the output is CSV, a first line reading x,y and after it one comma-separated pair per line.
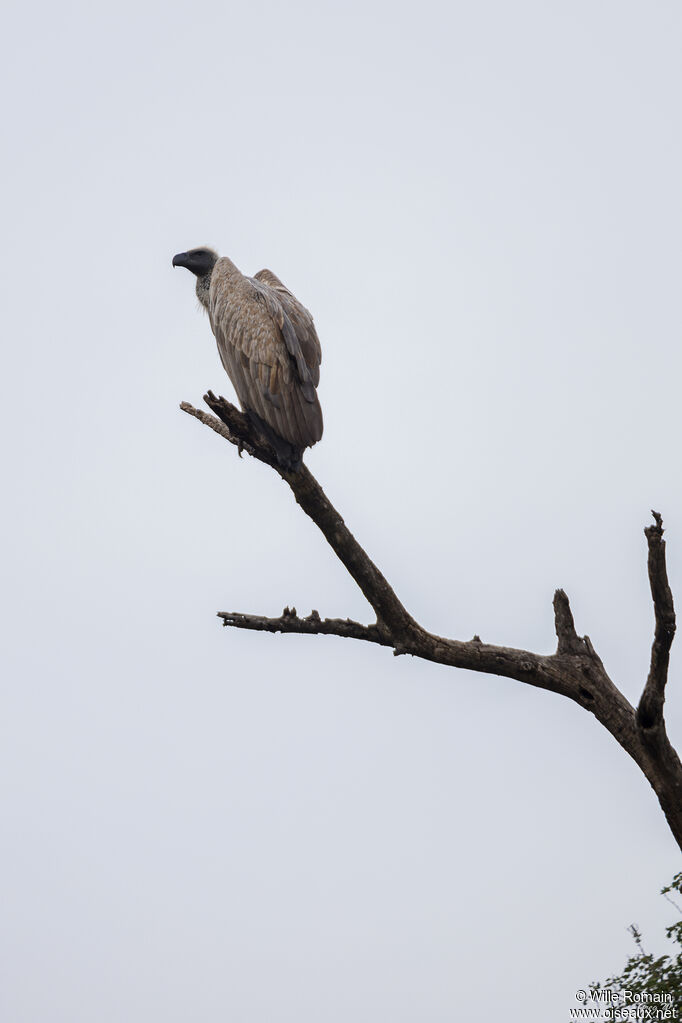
x,y
198,261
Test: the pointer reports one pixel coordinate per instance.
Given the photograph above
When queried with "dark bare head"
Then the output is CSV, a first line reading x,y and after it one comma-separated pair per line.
x,y
200,262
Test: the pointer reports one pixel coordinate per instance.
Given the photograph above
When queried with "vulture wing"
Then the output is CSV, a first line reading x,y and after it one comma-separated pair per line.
x,y
265,358
301,320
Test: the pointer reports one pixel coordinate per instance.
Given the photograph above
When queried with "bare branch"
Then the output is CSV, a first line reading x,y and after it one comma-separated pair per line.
x,y
575,670
208,420
650,710
313,625
569,640
309,494
234,426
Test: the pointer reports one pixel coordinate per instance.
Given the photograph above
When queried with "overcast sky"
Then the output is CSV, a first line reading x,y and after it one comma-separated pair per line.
x,y
480,204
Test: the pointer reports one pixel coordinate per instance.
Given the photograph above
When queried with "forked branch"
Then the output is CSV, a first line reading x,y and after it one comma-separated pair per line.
x,y
574,670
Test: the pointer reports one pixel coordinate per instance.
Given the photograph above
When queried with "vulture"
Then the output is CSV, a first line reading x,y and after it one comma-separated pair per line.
x,y
269,348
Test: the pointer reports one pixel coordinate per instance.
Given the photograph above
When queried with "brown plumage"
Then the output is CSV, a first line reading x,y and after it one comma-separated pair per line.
x,y
269,347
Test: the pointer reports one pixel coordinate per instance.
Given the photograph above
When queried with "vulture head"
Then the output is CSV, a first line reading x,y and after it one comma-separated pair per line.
x,y
200,262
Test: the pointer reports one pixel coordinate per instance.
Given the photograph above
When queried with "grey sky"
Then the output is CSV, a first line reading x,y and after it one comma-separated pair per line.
x,y
480,205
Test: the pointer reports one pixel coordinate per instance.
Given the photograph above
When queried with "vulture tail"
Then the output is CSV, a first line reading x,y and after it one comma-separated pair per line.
x,y
288,455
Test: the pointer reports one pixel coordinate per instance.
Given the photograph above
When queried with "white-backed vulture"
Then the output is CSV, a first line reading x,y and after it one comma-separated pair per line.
x,y
269,347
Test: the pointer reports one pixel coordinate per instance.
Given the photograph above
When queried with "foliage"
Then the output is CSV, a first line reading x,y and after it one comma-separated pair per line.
x,y
644,975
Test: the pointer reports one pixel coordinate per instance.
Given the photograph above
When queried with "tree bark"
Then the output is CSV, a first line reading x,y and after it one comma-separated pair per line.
x,y
574,670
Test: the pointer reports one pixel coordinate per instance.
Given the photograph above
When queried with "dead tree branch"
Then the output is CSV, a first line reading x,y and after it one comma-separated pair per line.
x,y
313,625
650,710
574,670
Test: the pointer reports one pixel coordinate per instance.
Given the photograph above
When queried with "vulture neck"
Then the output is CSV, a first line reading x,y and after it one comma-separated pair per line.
x,y
224,269
203,288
